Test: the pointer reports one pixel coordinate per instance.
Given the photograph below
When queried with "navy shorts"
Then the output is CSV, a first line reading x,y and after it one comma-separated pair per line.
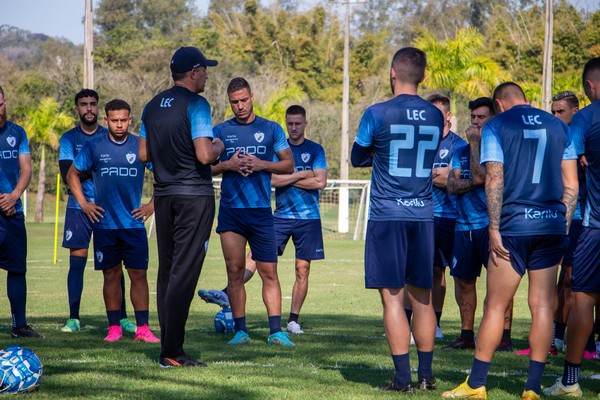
x,y
306,235
78,230
535,252
471,251
256,225
111,246
399,253
444,241
13,243
586,262
574,233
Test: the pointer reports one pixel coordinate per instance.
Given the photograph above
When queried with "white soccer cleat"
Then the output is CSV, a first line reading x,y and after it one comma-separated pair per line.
x,y
558,389
438,333
294,327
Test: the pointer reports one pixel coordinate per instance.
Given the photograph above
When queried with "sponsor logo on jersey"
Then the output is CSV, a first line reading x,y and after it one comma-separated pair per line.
x,y
259,136
531,213
130,157
68,235
410,202
444,153
11,140
99,256
305,157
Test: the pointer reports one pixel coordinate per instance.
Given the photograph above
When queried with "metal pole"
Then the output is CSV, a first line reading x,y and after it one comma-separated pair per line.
x,y
343,216
88,47
547,69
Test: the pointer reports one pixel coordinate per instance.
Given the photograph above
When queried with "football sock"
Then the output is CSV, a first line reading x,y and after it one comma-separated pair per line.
x,y
240,324
141,317
438,316
506,334
75,284
293,317
402,365
559,330
123,313
408,314
467,335
570,373
590,345
479,373
114,317
16,288
425,360
274,324
534,377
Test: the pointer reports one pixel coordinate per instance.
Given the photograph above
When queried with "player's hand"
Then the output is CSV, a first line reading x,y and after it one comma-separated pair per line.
x,y
239,163
10,212
7,201
583,161
254,163
497,250
92,211
473,134
144,212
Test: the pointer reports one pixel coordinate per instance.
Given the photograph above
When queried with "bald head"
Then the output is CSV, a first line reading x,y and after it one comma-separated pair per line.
x,y
507,95
591,79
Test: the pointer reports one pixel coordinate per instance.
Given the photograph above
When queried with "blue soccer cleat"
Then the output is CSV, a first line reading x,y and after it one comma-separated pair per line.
x,y
217,297
280,339
240,337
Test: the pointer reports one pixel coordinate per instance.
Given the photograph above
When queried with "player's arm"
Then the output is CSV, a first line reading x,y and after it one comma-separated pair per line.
x,y
456,185
317,182
8,200
285,164
208,150
440,177
570,188
281,180
144,211
237,163
361,156
143,152
477,170
494,190
90,209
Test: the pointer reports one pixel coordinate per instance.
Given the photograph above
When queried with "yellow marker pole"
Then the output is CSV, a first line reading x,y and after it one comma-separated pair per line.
x,y
56,219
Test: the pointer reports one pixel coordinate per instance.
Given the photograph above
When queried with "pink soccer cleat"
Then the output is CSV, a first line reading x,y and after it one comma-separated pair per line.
x,y
115,333
144,334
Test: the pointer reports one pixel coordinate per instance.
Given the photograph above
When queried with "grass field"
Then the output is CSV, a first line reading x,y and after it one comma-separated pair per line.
x,y
342,355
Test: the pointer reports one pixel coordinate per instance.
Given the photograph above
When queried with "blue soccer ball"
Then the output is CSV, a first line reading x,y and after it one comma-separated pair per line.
x,y
20,370
224,321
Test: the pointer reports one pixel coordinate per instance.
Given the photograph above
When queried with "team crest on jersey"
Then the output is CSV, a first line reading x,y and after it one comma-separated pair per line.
x,y
11,141
130,157
259,136
99,256
68,235
305,157
444,153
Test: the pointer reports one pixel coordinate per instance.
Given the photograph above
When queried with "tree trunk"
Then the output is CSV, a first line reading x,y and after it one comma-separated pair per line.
x,y
41,189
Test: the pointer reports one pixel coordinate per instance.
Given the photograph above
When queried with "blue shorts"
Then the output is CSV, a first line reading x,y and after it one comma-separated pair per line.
x,y
256,225
13,243
586,262
399,253
78,230
574,233
444,241
111,246
535,252
306,235
471,251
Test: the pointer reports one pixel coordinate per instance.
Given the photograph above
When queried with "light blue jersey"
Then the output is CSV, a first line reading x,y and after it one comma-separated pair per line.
x,y
262,138
296,203
13,142
118,178
444,204
71,143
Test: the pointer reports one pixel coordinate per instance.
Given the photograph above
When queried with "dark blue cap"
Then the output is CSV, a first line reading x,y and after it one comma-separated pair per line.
x,y
187,58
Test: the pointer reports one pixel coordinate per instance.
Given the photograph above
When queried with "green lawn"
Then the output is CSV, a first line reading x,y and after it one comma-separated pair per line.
x,y
342,355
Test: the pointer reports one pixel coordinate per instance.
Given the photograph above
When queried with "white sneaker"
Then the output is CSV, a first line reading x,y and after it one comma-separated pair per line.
x,y
438,333
560,344
558,389
294,327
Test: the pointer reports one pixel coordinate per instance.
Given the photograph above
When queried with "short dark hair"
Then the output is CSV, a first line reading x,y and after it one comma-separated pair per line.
x,y
569,97
86,93
117,104
409,63
238,83
177,76
592,65
295,110
482,102
441,99
508,90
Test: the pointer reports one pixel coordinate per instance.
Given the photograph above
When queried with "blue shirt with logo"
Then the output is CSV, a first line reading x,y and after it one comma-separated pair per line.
x,y
262,138
13,142
293,202
444,204
403,134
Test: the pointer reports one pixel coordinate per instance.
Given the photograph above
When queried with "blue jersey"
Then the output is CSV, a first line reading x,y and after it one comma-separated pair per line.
x,y
295,203
531,144
262,138
582,196
118,179
444,204
71,143
585,128
13,142
404,134
471,206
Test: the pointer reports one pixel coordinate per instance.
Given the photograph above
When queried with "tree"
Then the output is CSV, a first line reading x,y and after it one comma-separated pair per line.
x,y
44,125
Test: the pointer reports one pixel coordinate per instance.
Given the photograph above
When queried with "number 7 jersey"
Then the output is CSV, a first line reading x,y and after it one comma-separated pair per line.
x,y
403,134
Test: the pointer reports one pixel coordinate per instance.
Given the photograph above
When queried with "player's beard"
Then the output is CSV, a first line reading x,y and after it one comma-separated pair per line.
x,y
2,118
86,122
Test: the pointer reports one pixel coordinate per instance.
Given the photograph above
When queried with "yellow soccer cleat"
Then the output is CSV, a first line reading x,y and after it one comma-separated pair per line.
x,y
530,395
464,391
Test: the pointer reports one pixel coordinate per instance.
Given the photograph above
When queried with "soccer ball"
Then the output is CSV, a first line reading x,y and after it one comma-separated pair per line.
x,y
224,321
20,370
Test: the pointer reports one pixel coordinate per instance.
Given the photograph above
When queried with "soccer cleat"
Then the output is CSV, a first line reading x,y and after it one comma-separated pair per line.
x,y
560,344
590,355
294,327
394,387
438,333
526,352
115,333
127,325
558,389
240,337
71,326
460,344
464,391
181,361
144,334
280,339
217,297
530,395
25,331
505,345
427,384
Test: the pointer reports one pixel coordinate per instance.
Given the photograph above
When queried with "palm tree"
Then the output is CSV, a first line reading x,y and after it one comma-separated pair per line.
x,y
44,125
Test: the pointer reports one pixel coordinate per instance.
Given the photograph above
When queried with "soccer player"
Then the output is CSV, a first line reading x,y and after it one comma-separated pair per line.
x,y
117,216
177,136
399,139
251,142
585,128
15,174
531,191
78,229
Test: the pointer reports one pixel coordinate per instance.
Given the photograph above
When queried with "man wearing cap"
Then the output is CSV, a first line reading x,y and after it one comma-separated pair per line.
x,y
176,136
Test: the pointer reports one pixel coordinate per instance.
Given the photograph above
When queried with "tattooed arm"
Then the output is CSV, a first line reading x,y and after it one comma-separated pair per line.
x,y
477,170
571,188
456,185
494,191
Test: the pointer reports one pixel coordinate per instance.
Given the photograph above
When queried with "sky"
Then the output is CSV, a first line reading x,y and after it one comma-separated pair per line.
x,y
64,18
